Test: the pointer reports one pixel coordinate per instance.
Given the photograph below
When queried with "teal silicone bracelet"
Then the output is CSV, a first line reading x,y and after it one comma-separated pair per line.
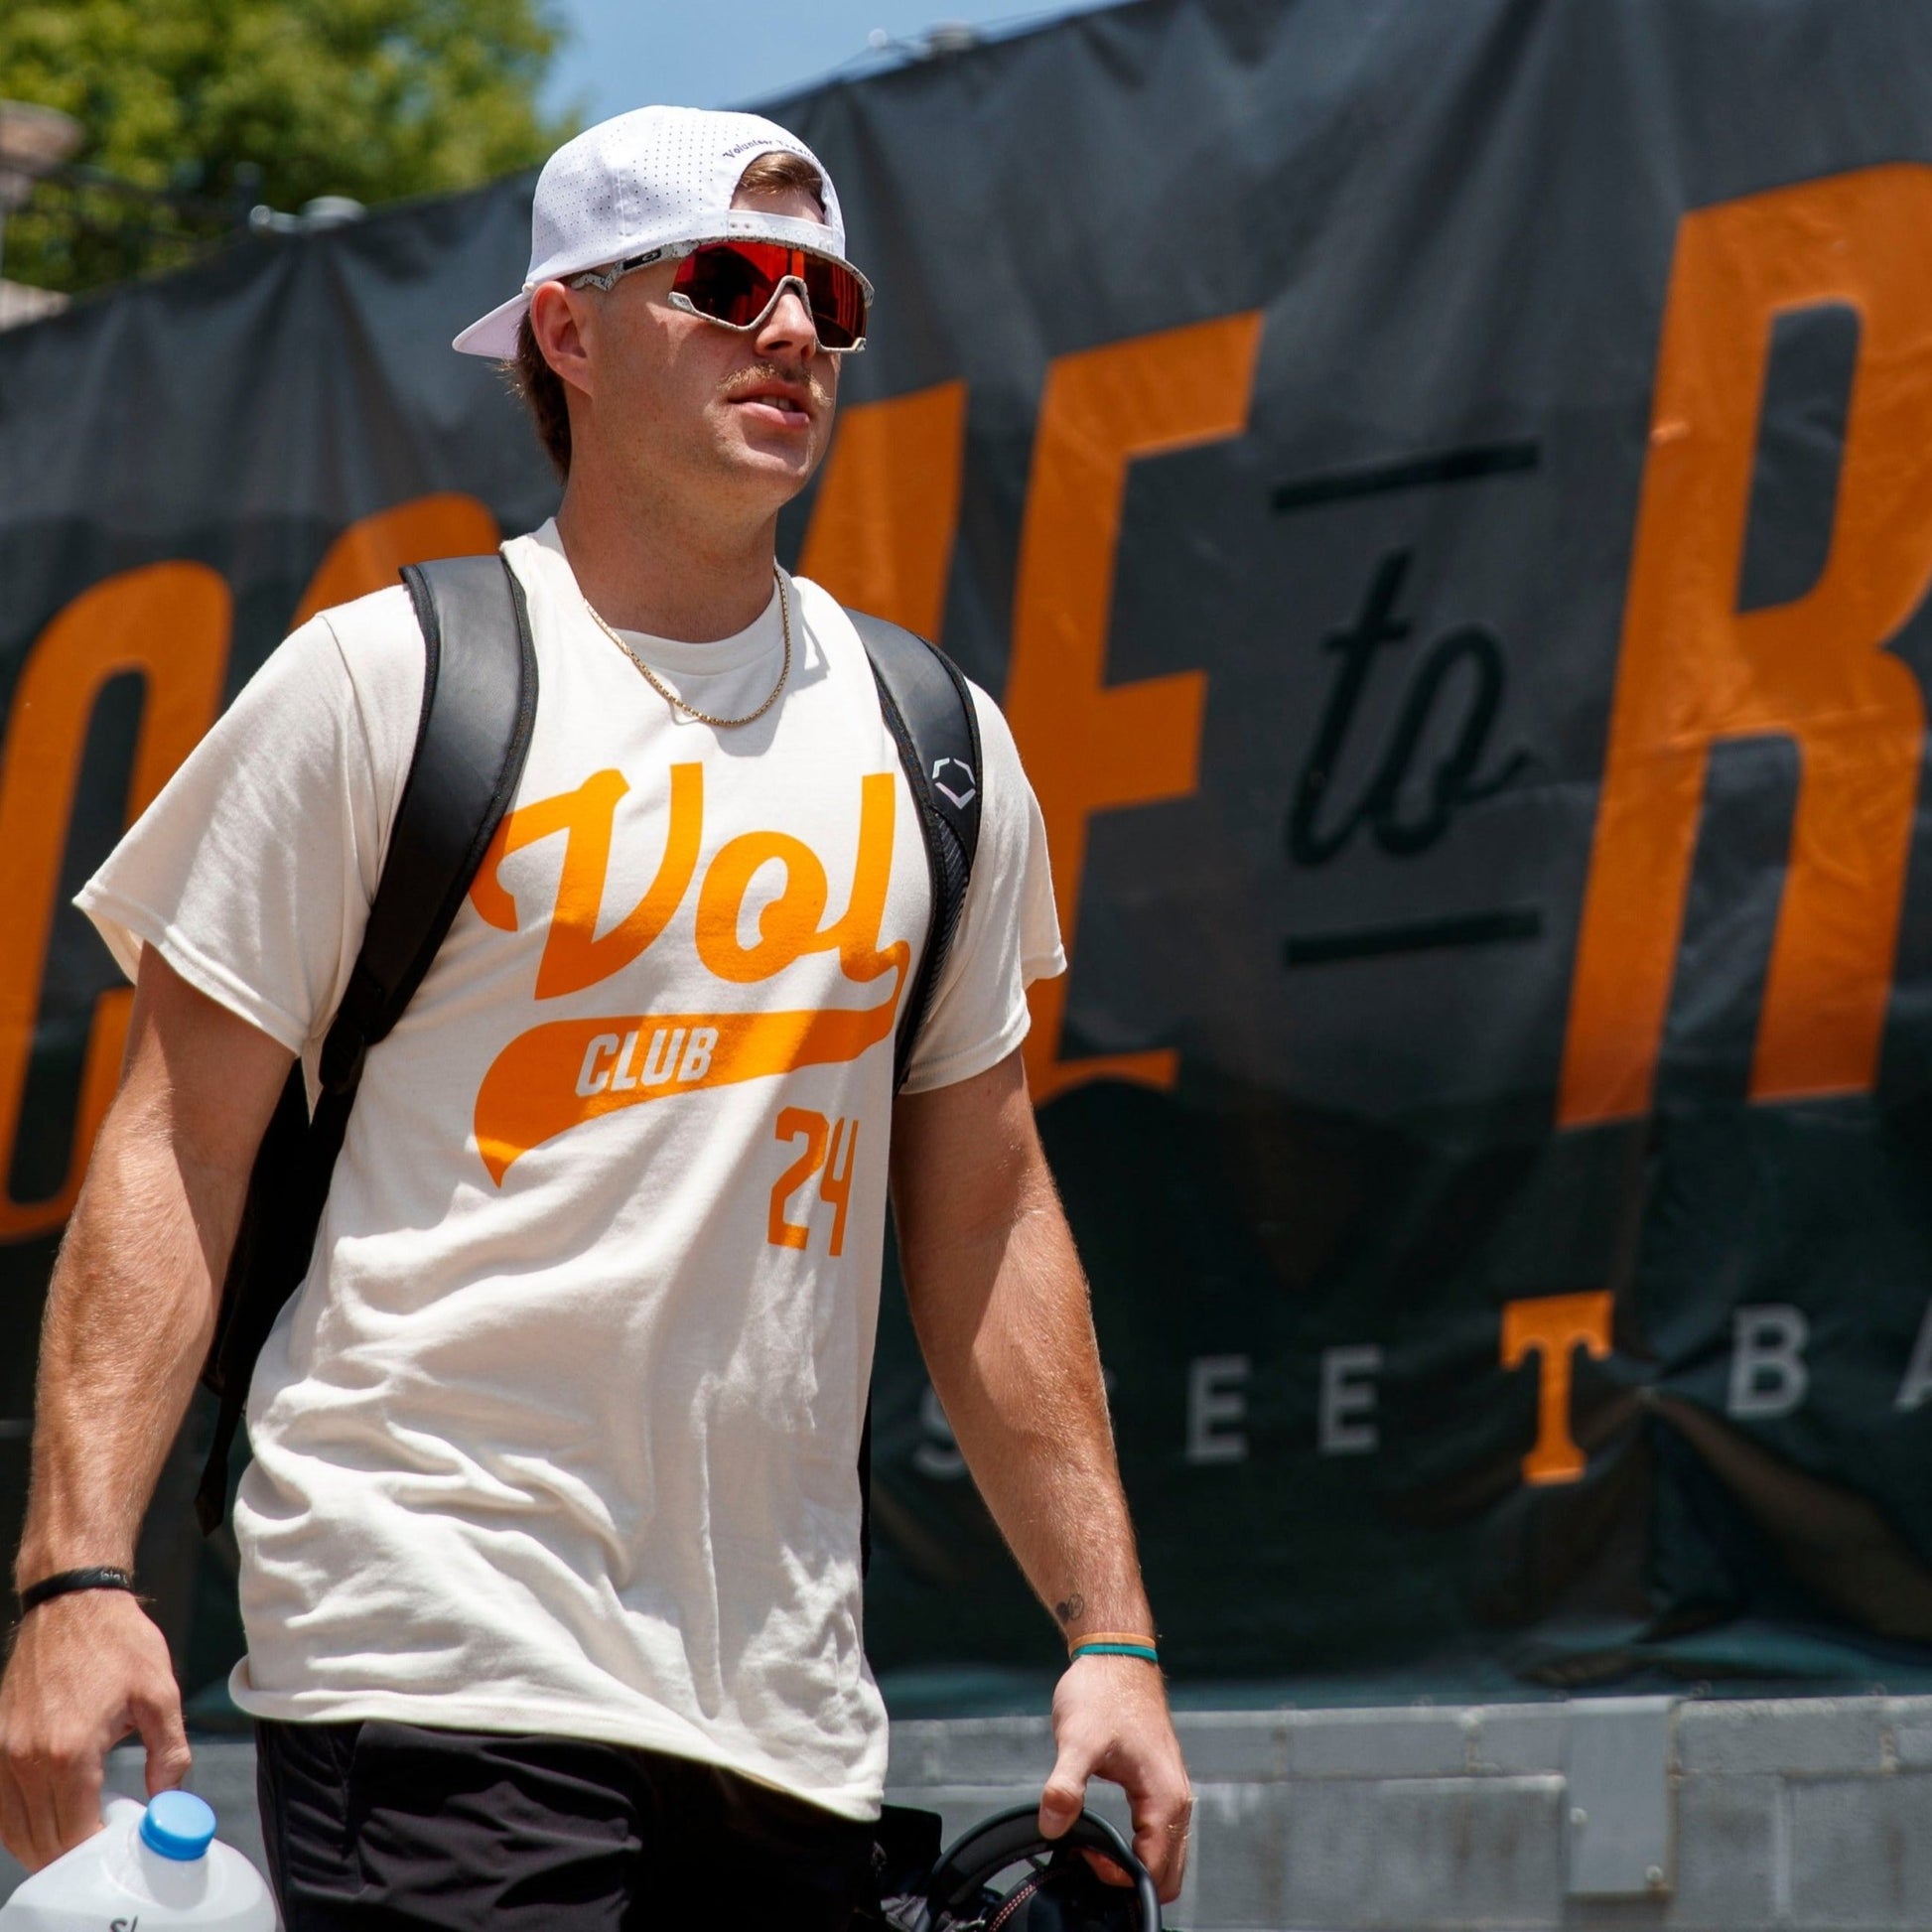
x,y
1146,1654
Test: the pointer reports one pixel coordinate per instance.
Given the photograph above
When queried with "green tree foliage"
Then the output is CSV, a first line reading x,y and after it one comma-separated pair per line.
x,y
220,104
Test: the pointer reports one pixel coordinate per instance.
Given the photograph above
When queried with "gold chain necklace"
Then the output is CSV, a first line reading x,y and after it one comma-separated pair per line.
x,y
672,699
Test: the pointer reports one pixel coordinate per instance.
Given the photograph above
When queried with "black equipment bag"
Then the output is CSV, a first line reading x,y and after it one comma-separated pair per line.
x,y
918,1890
480,697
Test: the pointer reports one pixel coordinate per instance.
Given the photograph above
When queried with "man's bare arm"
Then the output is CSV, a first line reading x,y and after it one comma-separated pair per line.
x,y
130,1313
1000,1306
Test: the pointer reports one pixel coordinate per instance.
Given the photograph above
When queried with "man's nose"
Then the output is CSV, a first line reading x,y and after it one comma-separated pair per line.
x,y
789,325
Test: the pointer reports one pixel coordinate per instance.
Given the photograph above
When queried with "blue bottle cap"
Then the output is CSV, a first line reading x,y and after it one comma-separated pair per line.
x,y
177,1825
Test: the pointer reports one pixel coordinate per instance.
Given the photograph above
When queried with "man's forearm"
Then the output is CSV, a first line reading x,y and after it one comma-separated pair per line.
x,y
129,1315
1004,1321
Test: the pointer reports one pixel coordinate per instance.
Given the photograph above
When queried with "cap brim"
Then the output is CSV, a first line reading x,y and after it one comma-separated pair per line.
x,y
494,334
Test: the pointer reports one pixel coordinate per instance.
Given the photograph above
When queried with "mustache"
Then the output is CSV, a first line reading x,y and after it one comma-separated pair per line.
x,y
801,375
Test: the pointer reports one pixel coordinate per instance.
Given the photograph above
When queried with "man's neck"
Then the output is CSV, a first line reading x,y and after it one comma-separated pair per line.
x,y
670,576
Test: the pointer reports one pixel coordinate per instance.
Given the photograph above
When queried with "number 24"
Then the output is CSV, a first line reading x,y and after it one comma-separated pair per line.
x,y
830,1148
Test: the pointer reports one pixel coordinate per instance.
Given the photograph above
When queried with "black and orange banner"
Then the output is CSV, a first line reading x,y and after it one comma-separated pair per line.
x,y
1444,495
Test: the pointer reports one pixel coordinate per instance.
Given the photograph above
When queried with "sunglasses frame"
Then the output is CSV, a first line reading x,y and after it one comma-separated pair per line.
x,y
608,278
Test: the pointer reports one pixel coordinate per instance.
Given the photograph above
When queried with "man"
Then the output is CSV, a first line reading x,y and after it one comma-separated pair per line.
x,y
550,1541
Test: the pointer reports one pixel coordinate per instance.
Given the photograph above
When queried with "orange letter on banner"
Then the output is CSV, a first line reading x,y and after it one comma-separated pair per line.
x,y
368,554
887,508
1089,747
169,623
1692,670
1548,1327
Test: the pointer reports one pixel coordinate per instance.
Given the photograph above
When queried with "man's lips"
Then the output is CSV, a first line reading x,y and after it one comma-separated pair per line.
x,y
781,403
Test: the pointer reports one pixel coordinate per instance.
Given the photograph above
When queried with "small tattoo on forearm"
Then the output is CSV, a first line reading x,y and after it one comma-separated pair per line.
x,y
1072,1610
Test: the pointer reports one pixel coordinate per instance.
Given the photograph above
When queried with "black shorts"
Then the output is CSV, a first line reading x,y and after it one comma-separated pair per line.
x,y
376,1827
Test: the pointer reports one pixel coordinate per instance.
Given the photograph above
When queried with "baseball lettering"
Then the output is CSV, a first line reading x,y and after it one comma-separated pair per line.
x,y
593,1079
576,955
167,624
1092,746
564,1072
830,1148
795,1123
1455,784
598,1075
1693,670
697,1053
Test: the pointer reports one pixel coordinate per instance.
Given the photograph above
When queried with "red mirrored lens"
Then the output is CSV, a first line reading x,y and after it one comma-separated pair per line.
x,y
733,281
838,302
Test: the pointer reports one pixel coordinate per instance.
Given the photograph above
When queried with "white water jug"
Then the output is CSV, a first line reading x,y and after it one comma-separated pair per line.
x,y
152,1869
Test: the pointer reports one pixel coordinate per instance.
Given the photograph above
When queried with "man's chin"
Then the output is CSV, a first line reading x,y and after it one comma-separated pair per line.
x,y
778,454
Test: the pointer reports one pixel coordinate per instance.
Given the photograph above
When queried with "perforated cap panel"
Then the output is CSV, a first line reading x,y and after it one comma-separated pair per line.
x,y
655,176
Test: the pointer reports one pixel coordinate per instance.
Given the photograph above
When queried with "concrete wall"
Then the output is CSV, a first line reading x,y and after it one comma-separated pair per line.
x,y
1598,1816
1718,1816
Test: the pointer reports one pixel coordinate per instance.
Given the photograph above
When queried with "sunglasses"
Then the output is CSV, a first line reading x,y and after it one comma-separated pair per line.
x,y
737,284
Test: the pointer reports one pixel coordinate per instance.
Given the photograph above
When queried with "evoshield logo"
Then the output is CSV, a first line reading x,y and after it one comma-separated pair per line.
x,y
969,788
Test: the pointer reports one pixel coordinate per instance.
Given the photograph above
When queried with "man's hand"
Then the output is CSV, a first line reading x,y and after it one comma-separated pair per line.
x,y
1110,1720
87,1669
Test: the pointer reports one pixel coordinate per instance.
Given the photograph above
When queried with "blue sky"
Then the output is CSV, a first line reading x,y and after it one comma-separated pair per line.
x,y
625,54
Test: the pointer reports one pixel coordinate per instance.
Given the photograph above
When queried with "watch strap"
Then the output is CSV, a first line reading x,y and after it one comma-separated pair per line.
x,y
99,1576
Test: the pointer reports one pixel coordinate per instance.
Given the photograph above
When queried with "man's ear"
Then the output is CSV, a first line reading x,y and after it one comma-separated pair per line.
x,y
558,318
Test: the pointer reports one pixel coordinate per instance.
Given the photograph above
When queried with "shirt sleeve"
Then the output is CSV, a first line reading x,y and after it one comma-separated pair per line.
x,y
253,870
1009,935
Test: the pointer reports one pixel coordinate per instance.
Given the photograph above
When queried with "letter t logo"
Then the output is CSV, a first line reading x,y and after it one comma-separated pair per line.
x,y
1551,1328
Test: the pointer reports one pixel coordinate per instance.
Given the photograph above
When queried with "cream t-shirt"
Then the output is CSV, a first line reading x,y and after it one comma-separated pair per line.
x,y
560,1433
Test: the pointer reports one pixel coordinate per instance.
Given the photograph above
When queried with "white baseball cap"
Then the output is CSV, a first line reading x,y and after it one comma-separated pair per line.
x,y
645,180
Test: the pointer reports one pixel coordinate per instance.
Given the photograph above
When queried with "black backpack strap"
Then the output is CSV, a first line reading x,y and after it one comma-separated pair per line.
x,y
479,709
480,695
929,711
